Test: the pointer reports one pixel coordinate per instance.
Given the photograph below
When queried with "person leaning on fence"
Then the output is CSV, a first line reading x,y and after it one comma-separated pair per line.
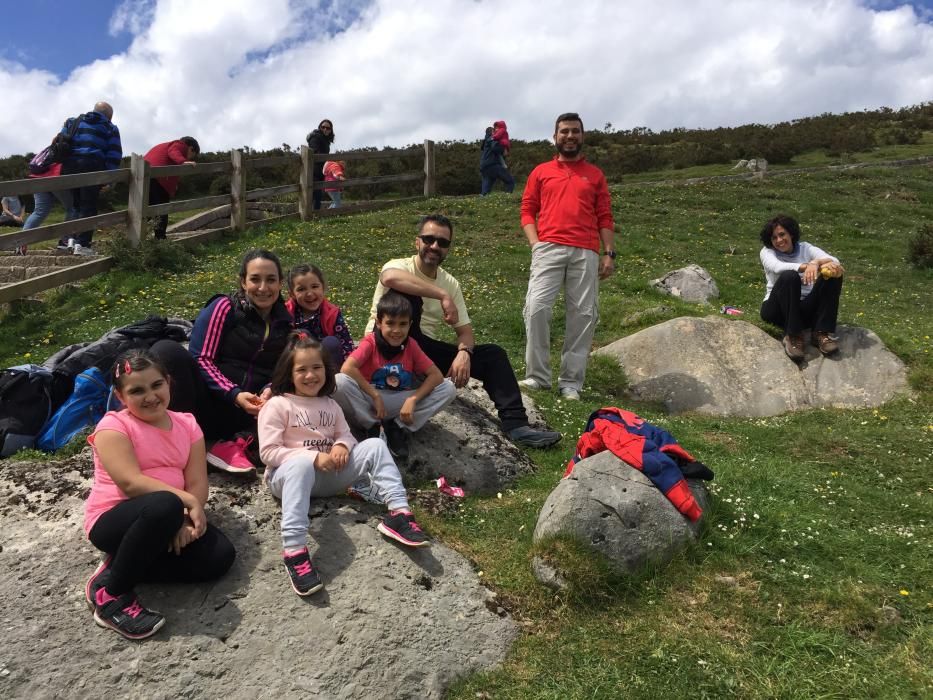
x,y
236,341
182,151
96,146
319,141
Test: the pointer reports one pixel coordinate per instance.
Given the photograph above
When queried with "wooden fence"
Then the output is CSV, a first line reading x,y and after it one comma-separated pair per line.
x,y
137,211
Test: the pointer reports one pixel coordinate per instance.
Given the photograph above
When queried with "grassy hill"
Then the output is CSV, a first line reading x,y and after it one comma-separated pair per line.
x,y
813,578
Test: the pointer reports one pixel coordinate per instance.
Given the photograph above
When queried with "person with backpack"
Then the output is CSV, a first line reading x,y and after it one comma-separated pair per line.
x,y
94,146
182,151
44,201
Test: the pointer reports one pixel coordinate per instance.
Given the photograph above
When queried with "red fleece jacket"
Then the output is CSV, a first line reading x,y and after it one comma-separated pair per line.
x,y
570,200
168,153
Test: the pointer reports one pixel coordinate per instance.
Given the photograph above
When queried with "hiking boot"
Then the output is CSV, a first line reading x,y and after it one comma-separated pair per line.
x,y
402,527
532,384
793,346
98,580
825,341
570,394
304,578
397,438
126,616
527,436
231,455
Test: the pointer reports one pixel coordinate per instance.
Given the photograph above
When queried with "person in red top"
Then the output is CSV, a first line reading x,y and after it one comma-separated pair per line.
x,y
162,189
566,214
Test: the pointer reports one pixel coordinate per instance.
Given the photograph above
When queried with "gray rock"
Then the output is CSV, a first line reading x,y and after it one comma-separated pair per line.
x,y
691,283
547,574
741,164
391,622
466,444
729,367
615,510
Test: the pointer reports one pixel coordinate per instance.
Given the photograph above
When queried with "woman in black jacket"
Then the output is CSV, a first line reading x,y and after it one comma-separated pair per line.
x,y
319,141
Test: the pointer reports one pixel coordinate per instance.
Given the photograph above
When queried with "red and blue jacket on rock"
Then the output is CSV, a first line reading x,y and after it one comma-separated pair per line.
x,y
643,446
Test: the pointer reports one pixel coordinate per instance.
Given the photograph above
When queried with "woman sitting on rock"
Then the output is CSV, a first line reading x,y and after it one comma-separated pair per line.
x,y
236,341
804,284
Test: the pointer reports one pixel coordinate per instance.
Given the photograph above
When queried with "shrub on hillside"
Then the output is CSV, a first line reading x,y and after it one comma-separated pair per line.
x,y
151,255
920,248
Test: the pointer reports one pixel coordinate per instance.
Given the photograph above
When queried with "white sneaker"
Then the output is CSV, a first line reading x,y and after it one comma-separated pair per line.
x,y
570,394
531,384
83,250
67,245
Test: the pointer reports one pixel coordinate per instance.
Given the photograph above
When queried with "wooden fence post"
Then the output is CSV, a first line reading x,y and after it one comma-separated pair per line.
x,y
305,185
138,199
237,191
430,183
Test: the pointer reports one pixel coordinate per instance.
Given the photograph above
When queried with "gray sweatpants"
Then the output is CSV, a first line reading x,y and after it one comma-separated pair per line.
x,y
358,407
297,481
577,269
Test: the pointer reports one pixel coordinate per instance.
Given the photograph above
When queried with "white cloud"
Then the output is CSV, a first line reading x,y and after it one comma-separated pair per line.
x,y
236,72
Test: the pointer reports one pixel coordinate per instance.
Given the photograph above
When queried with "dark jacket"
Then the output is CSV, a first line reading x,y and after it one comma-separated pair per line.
x,y
492,153
96,140
319,143
235,348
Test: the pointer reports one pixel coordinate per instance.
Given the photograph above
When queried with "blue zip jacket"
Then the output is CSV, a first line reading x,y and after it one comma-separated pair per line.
x,y
97,138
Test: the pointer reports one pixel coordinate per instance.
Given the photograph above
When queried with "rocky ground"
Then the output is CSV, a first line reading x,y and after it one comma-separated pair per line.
x,y
391,622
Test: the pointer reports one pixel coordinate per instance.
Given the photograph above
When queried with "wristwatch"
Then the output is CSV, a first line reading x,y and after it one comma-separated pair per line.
x,y
467,350
610,253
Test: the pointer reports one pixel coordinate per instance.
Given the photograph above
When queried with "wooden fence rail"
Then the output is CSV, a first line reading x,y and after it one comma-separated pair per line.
x,y
138,210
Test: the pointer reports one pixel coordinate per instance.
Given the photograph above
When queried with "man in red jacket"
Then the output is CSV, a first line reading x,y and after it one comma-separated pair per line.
x,y
566,214
161,190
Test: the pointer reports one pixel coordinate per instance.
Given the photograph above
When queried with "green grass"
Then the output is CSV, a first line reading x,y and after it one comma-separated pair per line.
x,y
821,519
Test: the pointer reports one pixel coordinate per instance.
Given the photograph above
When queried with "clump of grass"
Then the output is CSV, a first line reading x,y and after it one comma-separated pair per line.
x,y
149,255
920,248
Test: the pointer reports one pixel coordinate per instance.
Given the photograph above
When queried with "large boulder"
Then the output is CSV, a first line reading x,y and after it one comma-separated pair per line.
x,y
465,443
391,622
690,283
729,367
614,509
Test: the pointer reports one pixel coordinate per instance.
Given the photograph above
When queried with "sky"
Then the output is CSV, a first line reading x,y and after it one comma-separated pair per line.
x,y
261,73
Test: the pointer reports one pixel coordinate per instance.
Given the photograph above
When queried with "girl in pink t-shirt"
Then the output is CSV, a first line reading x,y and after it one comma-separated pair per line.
x,y
146,507
307,447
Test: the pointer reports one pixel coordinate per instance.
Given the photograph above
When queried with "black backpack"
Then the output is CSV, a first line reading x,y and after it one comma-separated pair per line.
x,y
25,406
58,150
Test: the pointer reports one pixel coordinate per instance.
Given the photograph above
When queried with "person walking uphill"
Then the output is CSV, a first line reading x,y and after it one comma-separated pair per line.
x,y
96,146
492,165
182,151
319,141
566,214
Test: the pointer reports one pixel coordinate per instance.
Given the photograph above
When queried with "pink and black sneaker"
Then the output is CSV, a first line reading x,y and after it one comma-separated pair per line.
x,y
402,527
98,580
126,616
231,455
304,578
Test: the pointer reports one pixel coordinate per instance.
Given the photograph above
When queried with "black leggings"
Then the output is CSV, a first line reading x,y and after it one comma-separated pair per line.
x,y
818,310
137,534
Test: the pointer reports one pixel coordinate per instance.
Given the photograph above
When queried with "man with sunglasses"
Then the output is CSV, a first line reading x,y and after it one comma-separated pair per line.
x,y
566,214
437,300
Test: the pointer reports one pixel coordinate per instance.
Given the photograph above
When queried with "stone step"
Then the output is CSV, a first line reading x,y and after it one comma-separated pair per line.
x,y
33,260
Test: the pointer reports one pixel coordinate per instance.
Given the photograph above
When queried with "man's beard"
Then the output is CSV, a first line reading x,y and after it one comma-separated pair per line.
x,y
577,149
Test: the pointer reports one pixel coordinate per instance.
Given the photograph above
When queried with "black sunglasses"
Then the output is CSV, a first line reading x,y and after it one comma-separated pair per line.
x,y
429,240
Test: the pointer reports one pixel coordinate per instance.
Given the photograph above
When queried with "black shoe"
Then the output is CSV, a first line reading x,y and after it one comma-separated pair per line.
x,y
304,578
402,527
527,436
98,580
398,440
126,616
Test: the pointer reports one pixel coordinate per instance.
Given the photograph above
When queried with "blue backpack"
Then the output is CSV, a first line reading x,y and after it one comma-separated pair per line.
x,y
86,405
